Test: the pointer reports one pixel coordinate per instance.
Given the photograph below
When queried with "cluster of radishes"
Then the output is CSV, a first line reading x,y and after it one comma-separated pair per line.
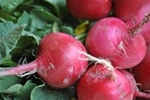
x,y
123,39
113,45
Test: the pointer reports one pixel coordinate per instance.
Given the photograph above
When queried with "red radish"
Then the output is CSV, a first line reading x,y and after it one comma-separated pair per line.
x,y
142,71
111,38
125,9
137,92
58,62
97,84
137,17
103,82
89,9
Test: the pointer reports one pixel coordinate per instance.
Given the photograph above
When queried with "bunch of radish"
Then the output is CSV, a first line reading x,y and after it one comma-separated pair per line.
x,y
121,39
103,82
114,45
110,38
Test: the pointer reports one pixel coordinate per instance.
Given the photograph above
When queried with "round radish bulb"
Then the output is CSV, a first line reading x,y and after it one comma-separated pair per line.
x,y
89,9
142,71
59,62
97,84
111,38
137,18
125,9
103,82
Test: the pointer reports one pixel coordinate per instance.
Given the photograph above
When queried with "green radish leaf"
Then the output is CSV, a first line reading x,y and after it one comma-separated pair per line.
x,y
59,6
67,29
8,81
19,91
25,91
42,92
6,97
57,2
7,61
24,19
24,49
10,33
43,17
13,89
4,16
13,43
41,33
10,5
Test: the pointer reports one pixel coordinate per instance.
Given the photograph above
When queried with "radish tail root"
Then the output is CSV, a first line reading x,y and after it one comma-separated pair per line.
x,y
142,94
20,70
104,62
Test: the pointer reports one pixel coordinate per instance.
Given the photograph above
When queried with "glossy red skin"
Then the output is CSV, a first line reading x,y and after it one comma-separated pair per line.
x,y
59,63
142,71
89,9
137,17
97,84
125,9
106,38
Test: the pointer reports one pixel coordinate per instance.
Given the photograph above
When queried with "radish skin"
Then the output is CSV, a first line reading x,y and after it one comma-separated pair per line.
x,y
89,9
97,83
141,72
58,61
125,9
137,92
111,38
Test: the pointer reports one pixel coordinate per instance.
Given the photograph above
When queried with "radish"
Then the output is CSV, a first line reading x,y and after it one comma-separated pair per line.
x,y
58,62
124,9
103,82
142,71
112,39
137,17
89,9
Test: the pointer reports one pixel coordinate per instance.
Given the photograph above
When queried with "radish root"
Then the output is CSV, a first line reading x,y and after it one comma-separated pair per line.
x,y
28,73
104,62
107,64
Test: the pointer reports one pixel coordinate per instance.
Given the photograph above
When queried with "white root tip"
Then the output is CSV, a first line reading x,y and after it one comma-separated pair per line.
x,y
107,64
28,73
104,62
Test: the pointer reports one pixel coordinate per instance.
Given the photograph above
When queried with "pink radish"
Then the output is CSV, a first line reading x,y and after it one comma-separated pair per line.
x,y
137,17
103,82
112,39
125,9
89,9
58,62
142,71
